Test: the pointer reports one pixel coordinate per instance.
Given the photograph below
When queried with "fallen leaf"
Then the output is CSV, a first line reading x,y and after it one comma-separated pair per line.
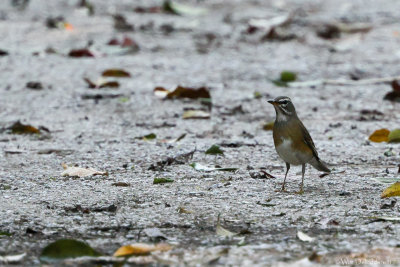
x,y
391,191
19,128
58,23
162,180
80,172
354,27
269,126
214,150
182,210
66,248
386,218
12,259
155,234
116,73
199,167
304,237
3,53
285,78
196,114
97,97
101,83
34,85
120,23
122,184
221,231
84,52
271,28
140,249
394,136
170,141
147,137
328,31
152,9
180,9
182,92
381,135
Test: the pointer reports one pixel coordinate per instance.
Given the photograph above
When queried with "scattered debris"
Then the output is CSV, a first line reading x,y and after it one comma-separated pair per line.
x,y
84,52
381,135
285,78
182,92
121,184
155,234
162,180
120,24
269,126
12,259
116,73
304,237
34,85
214,150
101,83
221,231
80,172
180,9
260,174
199,167
196,114
391,191
58,23
179,160
19,128
66,248
139,249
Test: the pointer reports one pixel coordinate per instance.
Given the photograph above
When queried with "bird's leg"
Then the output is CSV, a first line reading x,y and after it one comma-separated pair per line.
x,y
303,170
284,180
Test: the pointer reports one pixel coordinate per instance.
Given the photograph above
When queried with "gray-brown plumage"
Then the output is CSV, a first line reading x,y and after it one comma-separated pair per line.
x,y
293,142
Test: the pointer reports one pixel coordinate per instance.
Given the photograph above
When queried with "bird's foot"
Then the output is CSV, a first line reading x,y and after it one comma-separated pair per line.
x,y
300,192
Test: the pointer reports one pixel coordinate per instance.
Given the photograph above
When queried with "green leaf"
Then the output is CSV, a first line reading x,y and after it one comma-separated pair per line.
x,y
214,150
288,76
394,136
66,248
5,233
257,95
285,78
162,180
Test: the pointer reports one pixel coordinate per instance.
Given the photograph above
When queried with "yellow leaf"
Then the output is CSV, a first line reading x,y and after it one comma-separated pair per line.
x,y
381,135
140,249
268,126
392,191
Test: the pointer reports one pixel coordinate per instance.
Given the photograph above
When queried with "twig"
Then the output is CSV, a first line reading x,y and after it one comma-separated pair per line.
x,y
343,82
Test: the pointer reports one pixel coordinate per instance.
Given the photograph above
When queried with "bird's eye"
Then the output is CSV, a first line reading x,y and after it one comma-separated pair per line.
x,y
283,103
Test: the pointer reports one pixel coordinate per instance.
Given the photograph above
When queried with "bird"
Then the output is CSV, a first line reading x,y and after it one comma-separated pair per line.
x,y
292,141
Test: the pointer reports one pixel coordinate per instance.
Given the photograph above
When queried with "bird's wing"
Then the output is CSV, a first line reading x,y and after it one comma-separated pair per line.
x,y
308,140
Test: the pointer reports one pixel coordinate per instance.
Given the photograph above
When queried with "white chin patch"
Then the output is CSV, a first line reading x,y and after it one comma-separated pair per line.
x,y
281,117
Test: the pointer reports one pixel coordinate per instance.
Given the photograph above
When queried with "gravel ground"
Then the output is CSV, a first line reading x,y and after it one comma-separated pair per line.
x,y
38,205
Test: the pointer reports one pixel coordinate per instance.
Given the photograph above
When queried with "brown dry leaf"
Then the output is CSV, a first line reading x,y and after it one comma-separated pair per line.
x,y
391,191
182,92
196,114
381,135
116,73
101,83
139,249
80,172
81,53
19,128
394,95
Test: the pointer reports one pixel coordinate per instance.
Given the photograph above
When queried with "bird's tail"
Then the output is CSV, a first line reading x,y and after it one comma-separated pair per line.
x,y
319,165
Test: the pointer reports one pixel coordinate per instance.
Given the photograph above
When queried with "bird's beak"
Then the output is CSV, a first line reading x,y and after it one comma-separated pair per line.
x,y
272,102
